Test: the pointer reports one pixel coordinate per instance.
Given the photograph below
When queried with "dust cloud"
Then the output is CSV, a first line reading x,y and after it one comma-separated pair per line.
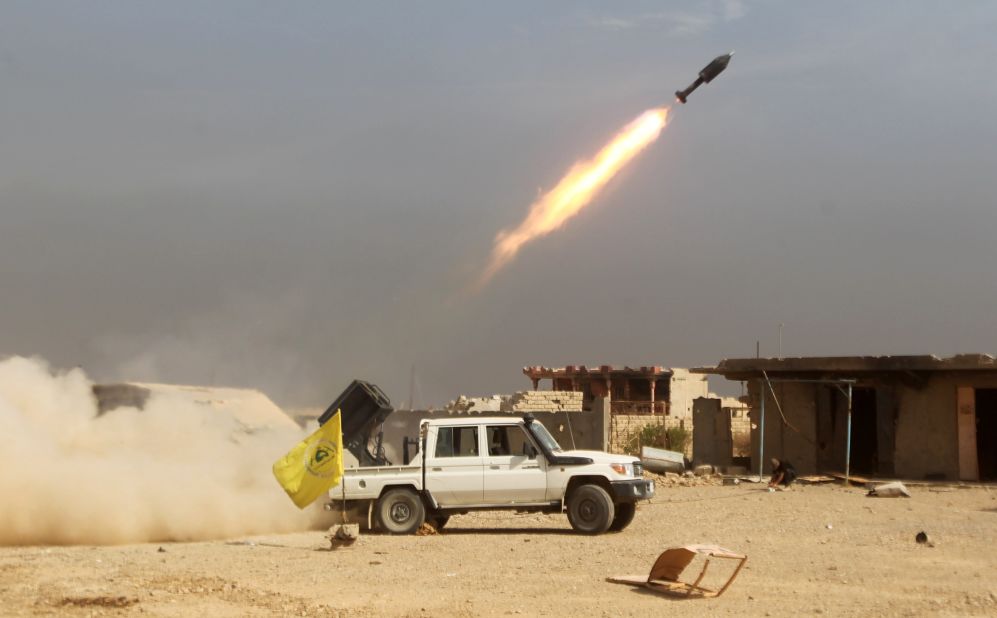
x,y
171,471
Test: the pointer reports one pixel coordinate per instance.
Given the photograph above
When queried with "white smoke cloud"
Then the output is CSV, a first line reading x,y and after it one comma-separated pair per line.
x,y
171,471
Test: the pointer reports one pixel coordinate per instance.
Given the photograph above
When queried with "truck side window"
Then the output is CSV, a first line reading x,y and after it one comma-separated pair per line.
x,y
509,440
457,442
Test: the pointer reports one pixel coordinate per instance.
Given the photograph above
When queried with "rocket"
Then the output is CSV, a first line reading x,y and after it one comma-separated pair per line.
x,y
706,76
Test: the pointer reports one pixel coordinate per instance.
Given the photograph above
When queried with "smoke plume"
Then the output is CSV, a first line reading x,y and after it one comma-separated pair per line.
x,y
171,471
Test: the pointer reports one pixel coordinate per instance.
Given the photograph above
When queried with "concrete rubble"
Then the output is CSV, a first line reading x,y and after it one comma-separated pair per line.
x,y
670,479
520,402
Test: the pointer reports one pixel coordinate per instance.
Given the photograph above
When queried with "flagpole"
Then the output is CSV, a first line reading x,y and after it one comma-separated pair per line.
x,y
342,479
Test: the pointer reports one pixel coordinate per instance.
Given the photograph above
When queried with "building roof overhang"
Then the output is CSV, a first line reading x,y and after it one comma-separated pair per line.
x,y
847,366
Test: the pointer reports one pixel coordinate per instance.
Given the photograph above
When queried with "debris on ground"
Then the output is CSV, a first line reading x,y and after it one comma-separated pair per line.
x,y
670,479
426,529
815,479
851,478
703,470
889,490
922,539
99,601
665,573
343,535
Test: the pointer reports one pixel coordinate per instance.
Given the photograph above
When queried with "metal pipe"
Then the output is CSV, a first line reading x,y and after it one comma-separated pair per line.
x,y
571,431
848,440
761,433
342,479
775,399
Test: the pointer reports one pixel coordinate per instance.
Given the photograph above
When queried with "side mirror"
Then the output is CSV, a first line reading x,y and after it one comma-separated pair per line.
x,y
531,451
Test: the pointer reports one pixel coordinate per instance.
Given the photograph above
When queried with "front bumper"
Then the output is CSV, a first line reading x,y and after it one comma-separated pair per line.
x,y
631,490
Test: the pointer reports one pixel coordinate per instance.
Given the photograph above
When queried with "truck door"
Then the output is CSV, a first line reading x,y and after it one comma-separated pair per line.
x,y
514,473
454,468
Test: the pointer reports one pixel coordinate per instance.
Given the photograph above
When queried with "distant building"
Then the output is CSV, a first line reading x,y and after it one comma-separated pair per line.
x,y
918,417
642,390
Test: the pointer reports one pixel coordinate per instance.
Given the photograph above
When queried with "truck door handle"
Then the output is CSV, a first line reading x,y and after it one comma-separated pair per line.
x,y
531,467
493,467
437,469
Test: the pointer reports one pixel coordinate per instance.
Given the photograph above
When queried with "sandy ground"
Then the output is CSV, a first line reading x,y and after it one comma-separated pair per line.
x,y
813,550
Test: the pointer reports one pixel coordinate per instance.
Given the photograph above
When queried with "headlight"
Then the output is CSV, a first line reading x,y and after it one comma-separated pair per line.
x,y
623,469
638,469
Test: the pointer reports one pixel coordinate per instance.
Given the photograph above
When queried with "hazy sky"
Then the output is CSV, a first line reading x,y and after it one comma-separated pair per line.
x,y
292,195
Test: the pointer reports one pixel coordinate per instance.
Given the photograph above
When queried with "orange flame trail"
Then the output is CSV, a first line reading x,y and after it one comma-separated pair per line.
x,y
578,187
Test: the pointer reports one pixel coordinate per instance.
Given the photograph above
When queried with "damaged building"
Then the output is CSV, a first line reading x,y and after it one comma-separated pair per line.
x,y
631,390
646,406
603,408
916,417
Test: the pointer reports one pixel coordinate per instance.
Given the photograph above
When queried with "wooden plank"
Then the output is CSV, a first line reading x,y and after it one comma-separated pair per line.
x,y
853,478
969,468
815,479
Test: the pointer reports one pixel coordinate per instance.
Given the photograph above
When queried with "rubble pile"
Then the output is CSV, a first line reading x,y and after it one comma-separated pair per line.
x,y
546,401
519,403
670,479
464,405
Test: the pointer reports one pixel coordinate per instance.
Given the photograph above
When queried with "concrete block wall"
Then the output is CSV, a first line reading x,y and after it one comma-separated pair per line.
x,y
798,402
685,387
547,401
625,430
927,431
712,440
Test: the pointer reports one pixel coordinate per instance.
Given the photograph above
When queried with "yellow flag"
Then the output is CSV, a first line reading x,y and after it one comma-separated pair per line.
x,y
315,465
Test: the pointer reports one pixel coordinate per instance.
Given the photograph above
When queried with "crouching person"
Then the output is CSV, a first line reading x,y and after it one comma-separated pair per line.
x,y
783,474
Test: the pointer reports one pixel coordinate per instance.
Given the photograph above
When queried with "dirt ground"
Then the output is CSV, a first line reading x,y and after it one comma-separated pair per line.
x,y
812,550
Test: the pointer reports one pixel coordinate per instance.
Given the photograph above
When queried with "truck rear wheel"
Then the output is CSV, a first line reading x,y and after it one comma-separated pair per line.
x,y
400,511
625,512
590,509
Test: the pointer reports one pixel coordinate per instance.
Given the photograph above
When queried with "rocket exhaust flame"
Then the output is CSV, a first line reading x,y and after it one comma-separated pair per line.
x,y
576,189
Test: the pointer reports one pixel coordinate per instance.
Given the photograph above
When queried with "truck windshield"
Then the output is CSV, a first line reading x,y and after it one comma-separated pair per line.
x,y
543,436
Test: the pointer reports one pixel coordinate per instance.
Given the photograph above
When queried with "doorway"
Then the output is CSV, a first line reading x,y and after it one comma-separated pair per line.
x,y
865,445
986,433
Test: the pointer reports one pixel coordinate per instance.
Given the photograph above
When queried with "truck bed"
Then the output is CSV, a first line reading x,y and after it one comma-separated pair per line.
x,y
366,483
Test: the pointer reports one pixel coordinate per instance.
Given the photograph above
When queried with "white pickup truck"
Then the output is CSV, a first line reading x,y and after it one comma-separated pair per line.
x,y
480,463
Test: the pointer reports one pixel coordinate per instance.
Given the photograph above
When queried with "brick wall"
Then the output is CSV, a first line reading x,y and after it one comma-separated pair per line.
x,y
625,429
547,401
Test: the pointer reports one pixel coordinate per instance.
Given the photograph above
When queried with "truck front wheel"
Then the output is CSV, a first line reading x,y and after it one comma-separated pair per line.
x,y
400,511
624,515
590,509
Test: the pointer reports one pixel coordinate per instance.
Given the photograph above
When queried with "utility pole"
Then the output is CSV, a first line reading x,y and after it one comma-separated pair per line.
x,y
411,389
